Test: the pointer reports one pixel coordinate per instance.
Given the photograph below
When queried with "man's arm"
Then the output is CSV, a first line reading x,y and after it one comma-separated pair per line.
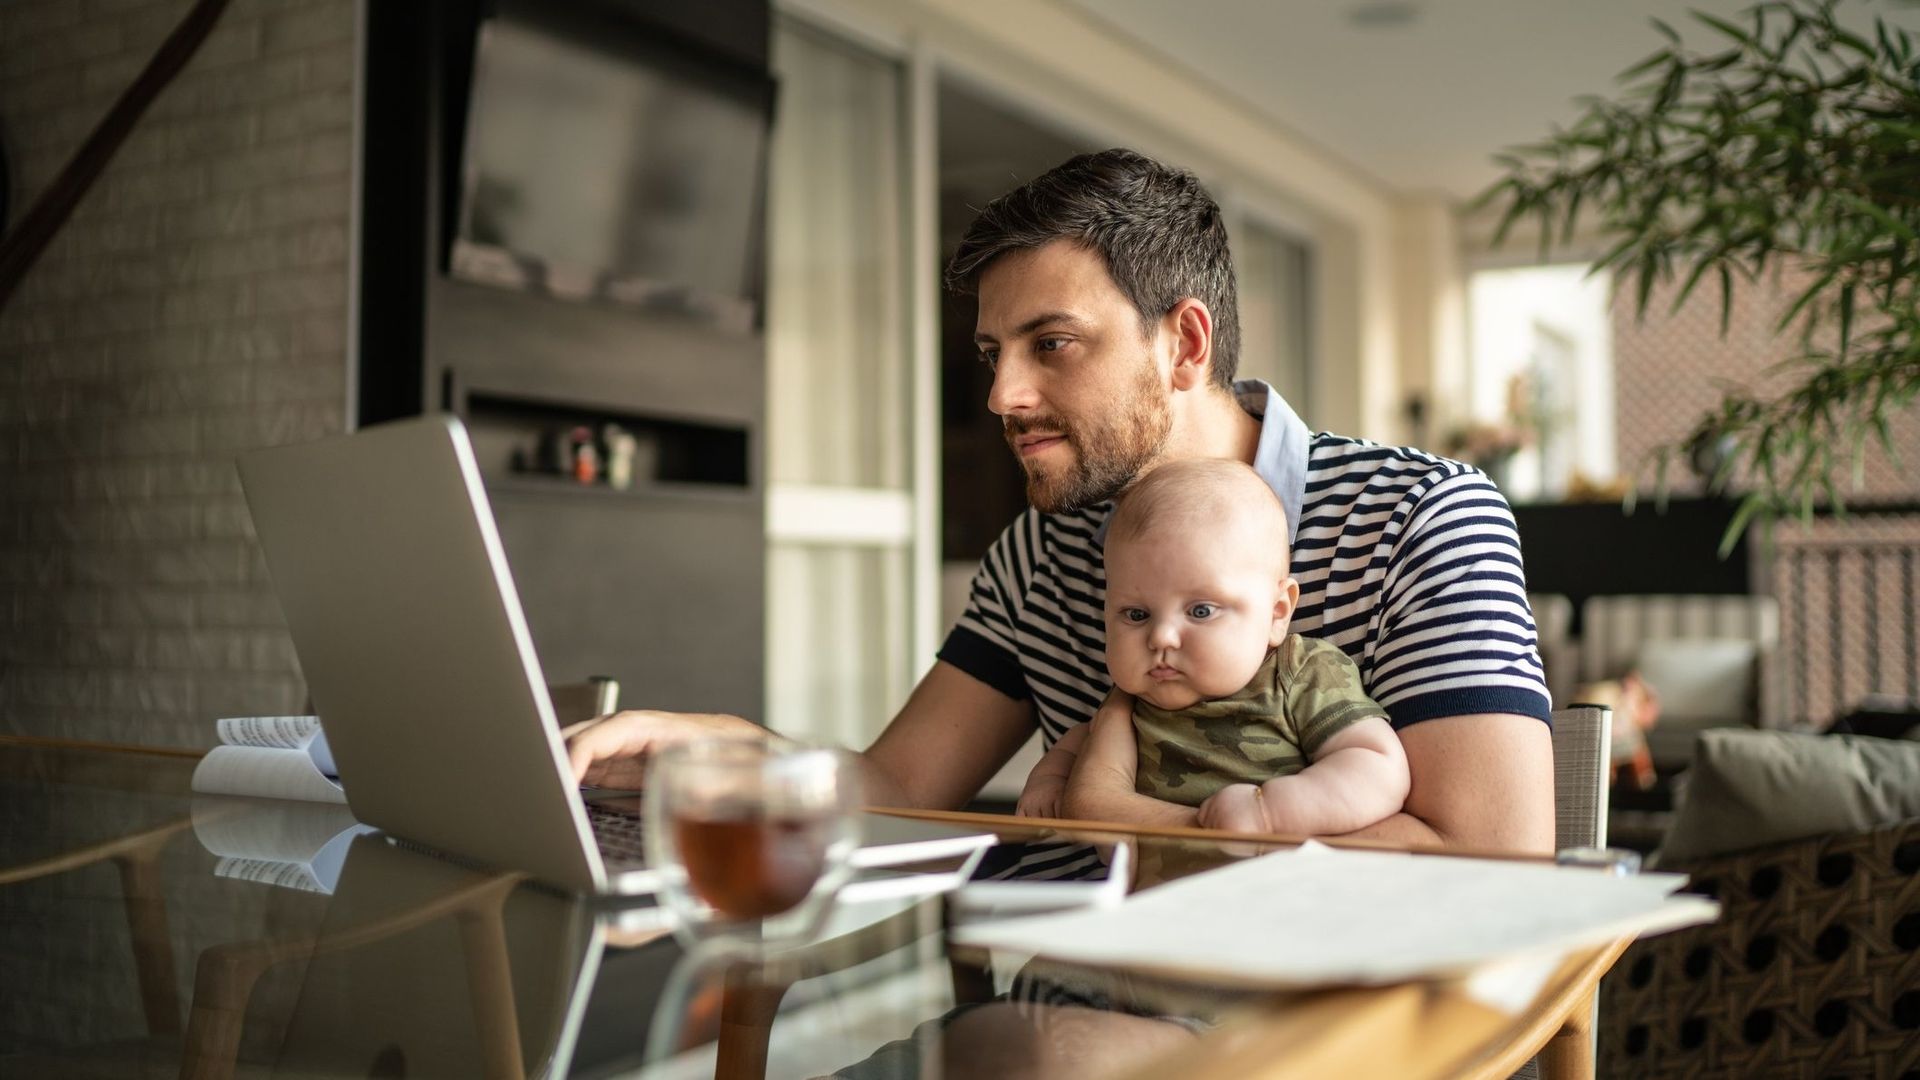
x,y
1481,783
950,738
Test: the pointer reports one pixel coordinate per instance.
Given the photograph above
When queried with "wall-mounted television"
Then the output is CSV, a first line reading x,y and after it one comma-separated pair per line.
x,y
622,170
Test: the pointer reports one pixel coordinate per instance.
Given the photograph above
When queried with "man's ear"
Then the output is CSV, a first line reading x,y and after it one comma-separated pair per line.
x,y
1283,611
1190,327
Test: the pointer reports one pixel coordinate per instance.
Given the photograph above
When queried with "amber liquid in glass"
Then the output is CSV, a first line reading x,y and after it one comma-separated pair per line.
x,y
750,866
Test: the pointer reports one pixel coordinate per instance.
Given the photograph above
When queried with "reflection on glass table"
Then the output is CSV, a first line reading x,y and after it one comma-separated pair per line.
x,y
416,966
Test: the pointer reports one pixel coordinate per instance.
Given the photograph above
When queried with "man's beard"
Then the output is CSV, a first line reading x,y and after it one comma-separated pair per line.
x,y
1109,451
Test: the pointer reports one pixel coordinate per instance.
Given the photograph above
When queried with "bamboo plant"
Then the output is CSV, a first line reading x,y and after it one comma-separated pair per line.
x,y
1784,143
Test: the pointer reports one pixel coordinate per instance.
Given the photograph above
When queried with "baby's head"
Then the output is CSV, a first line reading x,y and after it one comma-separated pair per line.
x,y
1197,583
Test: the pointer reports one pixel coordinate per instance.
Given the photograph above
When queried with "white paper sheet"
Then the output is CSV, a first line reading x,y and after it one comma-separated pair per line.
x,y
1320,917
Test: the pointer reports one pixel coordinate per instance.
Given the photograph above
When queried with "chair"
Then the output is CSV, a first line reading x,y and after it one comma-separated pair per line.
x,y
1709,685
1581,737
574,702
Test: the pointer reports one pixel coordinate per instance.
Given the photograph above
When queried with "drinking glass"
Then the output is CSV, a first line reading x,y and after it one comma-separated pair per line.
x,y
751,839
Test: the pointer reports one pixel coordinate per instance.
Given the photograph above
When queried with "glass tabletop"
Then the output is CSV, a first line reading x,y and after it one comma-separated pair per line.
x,y
148,930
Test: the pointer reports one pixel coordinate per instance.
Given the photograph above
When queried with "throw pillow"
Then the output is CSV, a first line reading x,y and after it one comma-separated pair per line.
x,y
1748,789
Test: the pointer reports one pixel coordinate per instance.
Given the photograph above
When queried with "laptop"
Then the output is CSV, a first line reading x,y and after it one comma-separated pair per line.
x,y
395,586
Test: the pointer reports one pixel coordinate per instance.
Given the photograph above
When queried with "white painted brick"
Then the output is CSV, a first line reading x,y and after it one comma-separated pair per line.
x,y
213,216
44,90
269,425
149,607
224,519
218,650
147,692
258,609
22,20
272,653
302,291
155,186
308,201
216,137
313,113
254,343
218,301
250,695
307,381
324,335
197,478
109,481
319,24
105,78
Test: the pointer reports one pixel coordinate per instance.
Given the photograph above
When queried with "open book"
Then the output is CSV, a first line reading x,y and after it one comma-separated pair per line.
x,y
274,757
294,845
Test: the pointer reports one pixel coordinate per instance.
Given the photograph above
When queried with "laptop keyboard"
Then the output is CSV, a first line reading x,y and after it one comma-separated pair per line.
x,y
619,833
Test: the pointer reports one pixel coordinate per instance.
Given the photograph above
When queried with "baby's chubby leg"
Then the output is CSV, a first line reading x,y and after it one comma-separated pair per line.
x,y
1234,808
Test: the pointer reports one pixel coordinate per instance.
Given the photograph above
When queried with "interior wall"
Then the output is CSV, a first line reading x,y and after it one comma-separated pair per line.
x,y
1068,68
194,306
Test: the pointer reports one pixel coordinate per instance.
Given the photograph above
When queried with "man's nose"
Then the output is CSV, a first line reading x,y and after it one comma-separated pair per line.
x,y
1014,389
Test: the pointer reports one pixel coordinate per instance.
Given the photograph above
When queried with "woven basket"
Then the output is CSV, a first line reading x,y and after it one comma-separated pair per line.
x,y
1812,971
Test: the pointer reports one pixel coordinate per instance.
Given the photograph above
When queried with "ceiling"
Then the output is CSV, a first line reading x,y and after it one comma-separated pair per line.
x,y
1420,103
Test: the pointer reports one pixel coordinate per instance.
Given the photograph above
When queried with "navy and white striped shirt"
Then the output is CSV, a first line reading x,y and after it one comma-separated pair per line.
x,y
1407,561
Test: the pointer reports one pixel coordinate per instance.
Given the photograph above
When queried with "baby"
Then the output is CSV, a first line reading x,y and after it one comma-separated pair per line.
x,y
1263,730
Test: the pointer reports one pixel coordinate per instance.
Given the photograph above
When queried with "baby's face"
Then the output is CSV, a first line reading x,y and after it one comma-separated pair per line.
x,y
1186,619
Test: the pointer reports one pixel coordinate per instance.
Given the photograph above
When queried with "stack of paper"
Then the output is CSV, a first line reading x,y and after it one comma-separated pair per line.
x,y
1319,917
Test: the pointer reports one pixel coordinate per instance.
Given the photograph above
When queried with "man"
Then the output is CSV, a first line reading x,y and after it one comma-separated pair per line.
x,y
1108,311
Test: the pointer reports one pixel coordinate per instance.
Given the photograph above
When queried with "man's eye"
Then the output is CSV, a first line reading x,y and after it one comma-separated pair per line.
x,y
1051,344
1202,611
1133,615
990,357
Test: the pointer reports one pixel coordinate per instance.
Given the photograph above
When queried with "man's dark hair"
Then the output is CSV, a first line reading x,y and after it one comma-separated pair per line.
x,y
1159,231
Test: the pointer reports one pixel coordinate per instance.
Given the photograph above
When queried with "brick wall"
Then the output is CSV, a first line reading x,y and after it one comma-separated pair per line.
x,y
194,306
1846,586
1670,370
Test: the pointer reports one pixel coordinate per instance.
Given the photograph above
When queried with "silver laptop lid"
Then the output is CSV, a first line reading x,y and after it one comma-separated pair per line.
x,y
384,555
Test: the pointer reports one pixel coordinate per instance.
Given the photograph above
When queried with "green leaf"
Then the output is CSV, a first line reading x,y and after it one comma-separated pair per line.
x,y
1724,27
1749,507
1726,299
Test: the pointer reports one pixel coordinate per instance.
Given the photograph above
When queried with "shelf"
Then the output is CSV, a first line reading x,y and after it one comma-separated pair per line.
x,y
539,485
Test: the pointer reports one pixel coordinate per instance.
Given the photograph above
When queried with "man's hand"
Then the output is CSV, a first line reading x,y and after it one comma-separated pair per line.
x,y
1234,808
612,751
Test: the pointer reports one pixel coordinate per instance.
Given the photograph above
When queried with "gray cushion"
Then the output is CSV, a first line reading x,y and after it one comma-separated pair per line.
x,y
1702,682
1748,789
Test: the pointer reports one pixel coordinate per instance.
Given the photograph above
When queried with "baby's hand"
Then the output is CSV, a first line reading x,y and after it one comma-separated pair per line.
x,y
1234,808
1041,797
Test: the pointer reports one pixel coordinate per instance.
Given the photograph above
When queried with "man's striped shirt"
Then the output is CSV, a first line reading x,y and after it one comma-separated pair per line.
x,y
1408,562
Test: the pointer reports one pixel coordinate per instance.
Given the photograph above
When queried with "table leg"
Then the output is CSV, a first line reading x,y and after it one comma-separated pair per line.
x,y
1569,1054
746,1023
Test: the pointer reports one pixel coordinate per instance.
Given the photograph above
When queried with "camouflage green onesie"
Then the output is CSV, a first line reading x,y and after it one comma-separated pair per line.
x,y
1305,692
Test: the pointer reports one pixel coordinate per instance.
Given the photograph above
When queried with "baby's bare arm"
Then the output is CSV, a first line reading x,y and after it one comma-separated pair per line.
x,y
1358,778
1048,780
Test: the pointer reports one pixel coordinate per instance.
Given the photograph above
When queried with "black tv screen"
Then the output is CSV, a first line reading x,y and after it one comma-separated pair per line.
x,y
610,171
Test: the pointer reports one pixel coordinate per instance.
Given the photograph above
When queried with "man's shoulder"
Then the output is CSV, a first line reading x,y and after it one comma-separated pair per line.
x,y
1347,469
1328,453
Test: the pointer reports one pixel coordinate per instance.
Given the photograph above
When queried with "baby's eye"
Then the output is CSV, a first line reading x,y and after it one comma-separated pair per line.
x,y
1133,615
1201,611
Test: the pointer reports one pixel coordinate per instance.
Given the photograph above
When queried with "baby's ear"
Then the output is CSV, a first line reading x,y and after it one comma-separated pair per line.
x,y
1283,606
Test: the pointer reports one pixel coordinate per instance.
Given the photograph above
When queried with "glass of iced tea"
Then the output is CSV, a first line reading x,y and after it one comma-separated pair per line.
x,y
751,839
